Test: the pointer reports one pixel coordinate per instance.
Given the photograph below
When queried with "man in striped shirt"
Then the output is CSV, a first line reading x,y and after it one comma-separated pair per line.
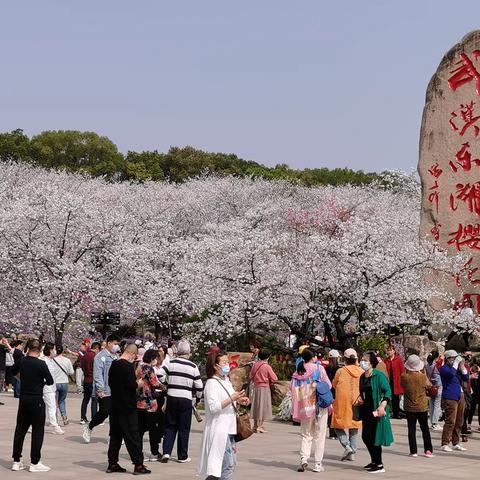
x,y
183,380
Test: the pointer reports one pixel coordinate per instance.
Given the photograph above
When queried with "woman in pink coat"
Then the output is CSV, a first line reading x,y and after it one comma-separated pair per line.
x,y
313,421
262,376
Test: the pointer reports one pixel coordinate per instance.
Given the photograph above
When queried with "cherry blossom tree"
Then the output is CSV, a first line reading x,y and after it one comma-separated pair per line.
x,y
228,256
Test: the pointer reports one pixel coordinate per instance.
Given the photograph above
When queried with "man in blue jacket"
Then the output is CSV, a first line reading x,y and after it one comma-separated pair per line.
x,y
453,373
101,389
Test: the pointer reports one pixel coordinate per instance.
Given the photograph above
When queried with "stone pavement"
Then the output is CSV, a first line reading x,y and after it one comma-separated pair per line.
x,y
264,456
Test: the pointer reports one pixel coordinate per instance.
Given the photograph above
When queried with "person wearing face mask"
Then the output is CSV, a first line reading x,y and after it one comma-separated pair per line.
x,y
101,390
375,393
123,385
218,449
313,421
183,383
147,404
452,374
50,391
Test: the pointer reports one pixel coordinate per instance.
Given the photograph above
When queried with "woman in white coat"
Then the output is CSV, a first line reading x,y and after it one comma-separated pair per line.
x,y
218,450
50,391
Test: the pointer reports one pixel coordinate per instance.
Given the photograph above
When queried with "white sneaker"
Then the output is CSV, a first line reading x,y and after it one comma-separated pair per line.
x,y
459,448
436,428
185,460
318,468
150,458
165,458
446,448
39,467
87,434
57,430
346,454
17,466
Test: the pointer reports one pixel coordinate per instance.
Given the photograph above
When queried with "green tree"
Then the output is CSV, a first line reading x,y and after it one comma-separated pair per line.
x,y
14,146
78,151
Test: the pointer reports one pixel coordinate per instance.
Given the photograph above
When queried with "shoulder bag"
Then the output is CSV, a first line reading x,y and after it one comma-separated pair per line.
x,y
244,427
432,391
63,370
356,410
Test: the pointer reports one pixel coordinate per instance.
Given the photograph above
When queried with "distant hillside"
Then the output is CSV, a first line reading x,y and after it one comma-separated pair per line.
x,y
88,152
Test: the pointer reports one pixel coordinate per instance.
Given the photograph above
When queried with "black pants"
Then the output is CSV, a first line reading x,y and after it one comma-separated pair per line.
x,y
473,409
147,422
31,412
124,426
178,420
369,430
466,412
395,405
104,408
422,418
87,397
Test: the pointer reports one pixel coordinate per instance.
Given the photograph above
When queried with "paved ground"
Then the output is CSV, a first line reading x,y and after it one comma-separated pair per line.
x,y
268,456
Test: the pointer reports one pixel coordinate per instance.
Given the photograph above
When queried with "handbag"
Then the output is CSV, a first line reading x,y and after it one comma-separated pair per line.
x,y
433,390
244,427
356,411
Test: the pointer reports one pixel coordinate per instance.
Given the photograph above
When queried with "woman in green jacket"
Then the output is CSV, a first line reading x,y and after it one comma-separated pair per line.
x,y
375,394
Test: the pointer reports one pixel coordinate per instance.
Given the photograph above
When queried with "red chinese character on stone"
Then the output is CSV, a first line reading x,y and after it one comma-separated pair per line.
x,y
435,170
464,159
435,231
470,271
466,115
466,236
469,194
433,197
465,73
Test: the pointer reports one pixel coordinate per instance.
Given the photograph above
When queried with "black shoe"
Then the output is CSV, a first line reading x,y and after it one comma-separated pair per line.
x,y
376,469
302,467
116,469
1,403
141,470
370,465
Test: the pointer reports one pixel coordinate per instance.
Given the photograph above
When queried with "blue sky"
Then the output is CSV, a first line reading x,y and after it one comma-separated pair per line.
x,y
310,83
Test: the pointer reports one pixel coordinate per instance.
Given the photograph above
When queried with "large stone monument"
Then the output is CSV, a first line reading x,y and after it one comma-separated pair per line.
x,y
449,164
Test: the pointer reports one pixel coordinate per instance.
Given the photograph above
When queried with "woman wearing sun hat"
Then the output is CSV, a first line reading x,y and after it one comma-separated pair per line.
x,y
347,392
415,404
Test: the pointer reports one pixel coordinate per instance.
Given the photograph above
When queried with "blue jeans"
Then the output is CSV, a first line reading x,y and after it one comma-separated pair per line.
x,y
348,438
229,460
62,390
16,387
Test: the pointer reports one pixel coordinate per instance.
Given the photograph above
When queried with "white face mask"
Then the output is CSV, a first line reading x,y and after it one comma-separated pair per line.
x,y
364,365
115,348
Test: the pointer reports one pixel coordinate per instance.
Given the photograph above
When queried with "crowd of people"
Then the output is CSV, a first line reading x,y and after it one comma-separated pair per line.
x,y
142,387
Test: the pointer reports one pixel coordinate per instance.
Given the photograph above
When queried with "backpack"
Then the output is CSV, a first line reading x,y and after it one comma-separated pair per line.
x,y
324,395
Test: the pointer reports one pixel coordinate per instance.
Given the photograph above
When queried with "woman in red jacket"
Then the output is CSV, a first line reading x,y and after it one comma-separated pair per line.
x,y
395,369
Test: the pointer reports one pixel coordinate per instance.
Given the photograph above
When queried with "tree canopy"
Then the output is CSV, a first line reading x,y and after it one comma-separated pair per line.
x,y
88,152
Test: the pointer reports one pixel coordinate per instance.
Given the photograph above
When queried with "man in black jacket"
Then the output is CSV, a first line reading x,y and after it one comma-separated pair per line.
x,y
34,375
123,417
